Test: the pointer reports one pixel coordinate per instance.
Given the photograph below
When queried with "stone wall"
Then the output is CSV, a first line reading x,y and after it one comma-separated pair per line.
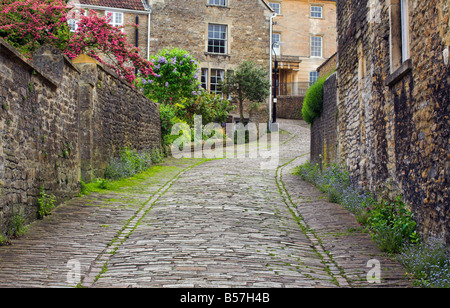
x,y
393,118
113,115
289,107
324,128
44,126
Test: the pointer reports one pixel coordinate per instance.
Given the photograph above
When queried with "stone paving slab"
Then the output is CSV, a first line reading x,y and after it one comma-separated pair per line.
x,y
217,223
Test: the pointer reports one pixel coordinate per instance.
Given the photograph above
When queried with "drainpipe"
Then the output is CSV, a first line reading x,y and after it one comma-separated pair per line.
x,y
148,35
137,37
270,65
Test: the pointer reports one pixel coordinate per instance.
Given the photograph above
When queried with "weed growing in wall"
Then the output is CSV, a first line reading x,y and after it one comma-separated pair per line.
x,y
46,203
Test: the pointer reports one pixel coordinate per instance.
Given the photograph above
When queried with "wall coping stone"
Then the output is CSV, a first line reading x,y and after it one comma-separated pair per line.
x,y
8,49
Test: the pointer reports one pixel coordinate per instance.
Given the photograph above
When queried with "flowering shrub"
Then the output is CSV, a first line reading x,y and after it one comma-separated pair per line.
x,y
96,38
176,77
29,24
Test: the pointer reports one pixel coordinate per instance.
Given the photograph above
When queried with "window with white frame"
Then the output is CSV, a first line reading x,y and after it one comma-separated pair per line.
x,y
204,78
316,11
73,25
217,38
405,29
276,7
316,46
218,2
116,19
313,76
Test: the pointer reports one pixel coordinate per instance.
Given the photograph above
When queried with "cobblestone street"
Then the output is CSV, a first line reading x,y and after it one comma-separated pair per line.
x,y
202,223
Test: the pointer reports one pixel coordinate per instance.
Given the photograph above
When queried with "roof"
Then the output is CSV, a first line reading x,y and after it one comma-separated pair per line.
x,y
136,5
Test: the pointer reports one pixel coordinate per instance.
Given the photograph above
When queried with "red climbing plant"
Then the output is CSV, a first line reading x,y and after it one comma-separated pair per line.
x,y
29,24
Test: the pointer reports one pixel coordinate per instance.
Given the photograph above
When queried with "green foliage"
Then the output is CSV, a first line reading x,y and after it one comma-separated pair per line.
x,y
46,203
211,107
391,225
168,115
176,77
16,225
248,83
313,101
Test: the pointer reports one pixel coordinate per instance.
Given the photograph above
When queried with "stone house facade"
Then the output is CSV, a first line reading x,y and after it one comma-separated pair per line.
x,y
393,103
123,13
307,32
221,34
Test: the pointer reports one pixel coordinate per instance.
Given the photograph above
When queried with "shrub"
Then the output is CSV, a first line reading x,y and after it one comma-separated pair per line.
x,y
211,107
175,77
313,101
29,24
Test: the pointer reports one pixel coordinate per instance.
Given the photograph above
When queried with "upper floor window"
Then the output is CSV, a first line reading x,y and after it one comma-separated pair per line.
x,y
276,7
316,11
217,38
316,46
116,18
218,2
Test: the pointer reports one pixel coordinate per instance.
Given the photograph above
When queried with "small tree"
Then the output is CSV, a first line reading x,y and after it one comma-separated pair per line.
x,y
248,83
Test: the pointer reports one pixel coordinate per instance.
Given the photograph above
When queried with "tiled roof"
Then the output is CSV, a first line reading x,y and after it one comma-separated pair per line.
x,y
137,5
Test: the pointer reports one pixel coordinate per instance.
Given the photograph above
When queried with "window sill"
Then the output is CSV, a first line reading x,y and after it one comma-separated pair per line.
x,y
398,75
218,6
213,54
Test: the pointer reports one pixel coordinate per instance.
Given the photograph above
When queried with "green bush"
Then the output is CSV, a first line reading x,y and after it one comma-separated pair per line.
x,y
211,107
313,101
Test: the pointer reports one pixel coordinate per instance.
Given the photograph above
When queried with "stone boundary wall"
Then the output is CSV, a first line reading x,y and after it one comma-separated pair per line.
x,y
394,115
290,107
55,126
324,128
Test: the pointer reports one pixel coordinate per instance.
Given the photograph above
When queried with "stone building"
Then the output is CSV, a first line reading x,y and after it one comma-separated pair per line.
x,y
393,102
221,34
306,30
123,13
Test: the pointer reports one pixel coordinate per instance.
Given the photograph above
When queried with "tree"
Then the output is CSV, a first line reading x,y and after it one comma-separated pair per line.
x,y
176,77
248,83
